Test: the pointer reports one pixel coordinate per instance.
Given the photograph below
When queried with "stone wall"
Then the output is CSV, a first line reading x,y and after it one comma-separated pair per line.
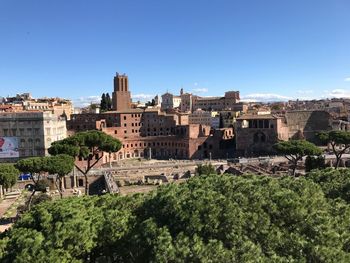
x,y
305,124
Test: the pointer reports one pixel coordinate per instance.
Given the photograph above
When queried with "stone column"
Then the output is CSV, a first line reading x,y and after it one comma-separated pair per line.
x,y
74,178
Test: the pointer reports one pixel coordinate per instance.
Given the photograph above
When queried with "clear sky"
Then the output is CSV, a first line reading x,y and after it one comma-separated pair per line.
x,y
266,49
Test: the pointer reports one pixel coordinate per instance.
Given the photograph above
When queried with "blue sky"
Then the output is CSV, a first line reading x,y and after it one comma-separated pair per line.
x,y
269,49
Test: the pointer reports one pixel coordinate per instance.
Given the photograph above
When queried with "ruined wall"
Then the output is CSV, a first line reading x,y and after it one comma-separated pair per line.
x,y
305,124
255,141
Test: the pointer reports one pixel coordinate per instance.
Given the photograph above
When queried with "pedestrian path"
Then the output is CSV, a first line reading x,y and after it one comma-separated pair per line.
x,y
8,200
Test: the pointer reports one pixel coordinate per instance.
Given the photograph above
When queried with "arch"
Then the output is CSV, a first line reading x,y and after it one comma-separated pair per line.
x,y
259,137
29,187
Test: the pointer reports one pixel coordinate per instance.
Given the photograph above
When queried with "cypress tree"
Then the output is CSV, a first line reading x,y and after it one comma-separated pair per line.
x,y
108,101
103,104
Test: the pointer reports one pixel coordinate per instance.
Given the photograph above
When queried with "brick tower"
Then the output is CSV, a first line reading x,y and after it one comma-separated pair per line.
x,y
121,94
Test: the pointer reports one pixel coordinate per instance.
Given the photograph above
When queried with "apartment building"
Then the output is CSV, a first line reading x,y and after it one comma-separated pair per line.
x,y
33,130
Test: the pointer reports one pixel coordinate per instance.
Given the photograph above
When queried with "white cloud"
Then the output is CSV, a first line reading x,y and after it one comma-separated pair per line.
x,y
347,79
338,93
264,97
86,101
248,100
142,96
200,90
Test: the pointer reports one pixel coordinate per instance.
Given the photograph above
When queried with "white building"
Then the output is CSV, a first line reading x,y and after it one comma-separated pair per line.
x,y
170,101
35,131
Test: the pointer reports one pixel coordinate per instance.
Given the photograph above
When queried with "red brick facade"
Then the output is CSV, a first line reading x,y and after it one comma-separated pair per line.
x,y
121,98
152,133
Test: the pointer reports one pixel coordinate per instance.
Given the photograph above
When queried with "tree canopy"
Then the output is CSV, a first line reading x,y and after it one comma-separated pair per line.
x,y
207,219
32,165
334,183
339,141
36,167
205,169
87,146
8,175
151,103
106,102
295,150
59,165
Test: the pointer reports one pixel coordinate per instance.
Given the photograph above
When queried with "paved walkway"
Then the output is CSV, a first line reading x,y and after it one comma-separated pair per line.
x,y
5,204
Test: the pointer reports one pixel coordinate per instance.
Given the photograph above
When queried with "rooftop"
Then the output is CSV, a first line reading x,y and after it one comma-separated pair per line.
x,y
258,117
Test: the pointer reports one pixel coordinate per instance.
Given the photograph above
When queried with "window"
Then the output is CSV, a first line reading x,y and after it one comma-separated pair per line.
x,y
81,182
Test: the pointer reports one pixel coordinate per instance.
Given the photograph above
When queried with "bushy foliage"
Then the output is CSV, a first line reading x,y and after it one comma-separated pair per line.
x,y
208,219
205,169
334,183
41,185
295,150
42,197
314,162
338,140
8,175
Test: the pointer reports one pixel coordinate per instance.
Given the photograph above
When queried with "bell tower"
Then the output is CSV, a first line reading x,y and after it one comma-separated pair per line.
x,y
121,95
